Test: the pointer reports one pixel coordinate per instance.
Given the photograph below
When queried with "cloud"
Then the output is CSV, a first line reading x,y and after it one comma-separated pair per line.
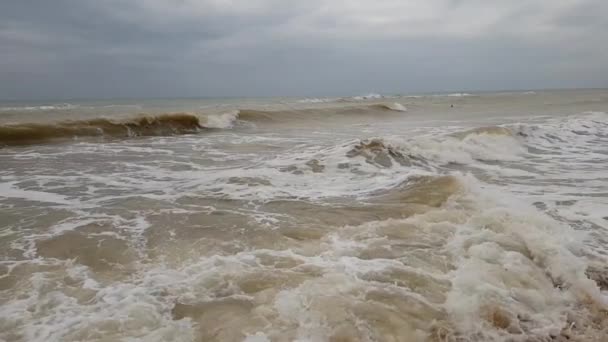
x,y
88,48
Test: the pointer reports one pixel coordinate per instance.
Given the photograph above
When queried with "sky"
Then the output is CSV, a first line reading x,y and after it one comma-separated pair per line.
x,y
214,48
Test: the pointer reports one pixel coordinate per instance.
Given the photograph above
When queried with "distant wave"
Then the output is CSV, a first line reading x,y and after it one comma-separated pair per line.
x,y
134,106
36,133
457,95
316,100
62,106
268,116
172,123
371,96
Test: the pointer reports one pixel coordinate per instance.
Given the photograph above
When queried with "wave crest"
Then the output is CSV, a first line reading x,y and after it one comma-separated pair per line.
x,y
291,115
61,106
398,107
379,153
489,130
36,133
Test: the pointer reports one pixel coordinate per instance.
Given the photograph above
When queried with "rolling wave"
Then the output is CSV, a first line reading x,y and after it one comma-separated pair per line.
x,y
37,133
170,123
276,116
397,107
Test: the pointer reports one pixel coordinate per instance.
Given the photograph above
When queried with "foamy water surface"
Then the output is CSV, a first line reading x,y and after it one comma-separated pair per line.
x,y
460,217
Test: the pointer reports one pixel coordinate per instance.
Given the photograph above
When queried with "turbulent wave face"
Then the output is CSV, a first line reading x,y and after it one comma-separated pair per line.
x,y
354,223
170,124
33,133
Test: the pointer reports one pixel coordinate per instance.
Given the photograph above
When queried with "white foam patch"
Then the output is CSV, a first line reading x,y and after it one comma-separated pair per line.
x,y
515,261
444,149
316,100
397,107
46,313
370,96
9,190
225,120
457,95
62,106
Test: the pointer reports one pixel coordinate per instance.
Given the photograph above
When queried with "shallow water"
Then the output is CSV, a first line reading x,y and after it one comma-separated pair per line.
x,y
354,219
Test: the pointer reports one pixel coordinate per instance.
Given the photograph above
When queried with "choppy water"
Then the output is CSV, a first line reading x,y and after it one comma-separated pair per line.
x,y
353,219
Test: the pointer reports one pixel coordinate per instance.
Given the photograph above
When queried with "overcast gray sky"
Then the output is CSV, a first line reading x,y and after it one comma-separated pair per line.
x,y
192,48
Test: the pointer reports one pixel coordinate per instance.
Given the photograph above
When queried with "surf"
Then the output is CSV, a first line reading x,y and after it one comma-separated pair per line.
x,y
159,125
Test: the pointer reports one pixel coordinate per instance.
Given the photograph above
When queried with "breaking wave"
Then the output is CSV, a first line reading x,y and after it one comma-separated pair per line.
x,y
316,100
398,107
15,134
36,133
455,95
370,96
383,154
465,147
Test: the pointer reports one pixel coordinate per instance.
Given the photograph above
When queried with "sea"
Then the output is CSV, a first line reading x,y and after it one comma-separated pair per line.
x,y
434,217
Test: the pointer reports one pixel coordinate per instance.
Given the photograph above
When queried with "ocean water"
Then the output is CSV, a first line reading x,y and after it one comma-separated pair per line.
x,y
449,217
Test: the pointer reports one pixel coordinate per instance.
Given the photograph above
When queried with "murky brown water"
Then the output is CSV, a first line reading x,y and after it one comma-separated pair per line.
x,y
388,219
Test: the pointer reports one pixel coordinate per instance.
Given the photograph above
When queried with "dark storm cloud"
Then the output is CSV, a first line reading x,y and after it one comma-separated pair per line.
x,y
141,48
